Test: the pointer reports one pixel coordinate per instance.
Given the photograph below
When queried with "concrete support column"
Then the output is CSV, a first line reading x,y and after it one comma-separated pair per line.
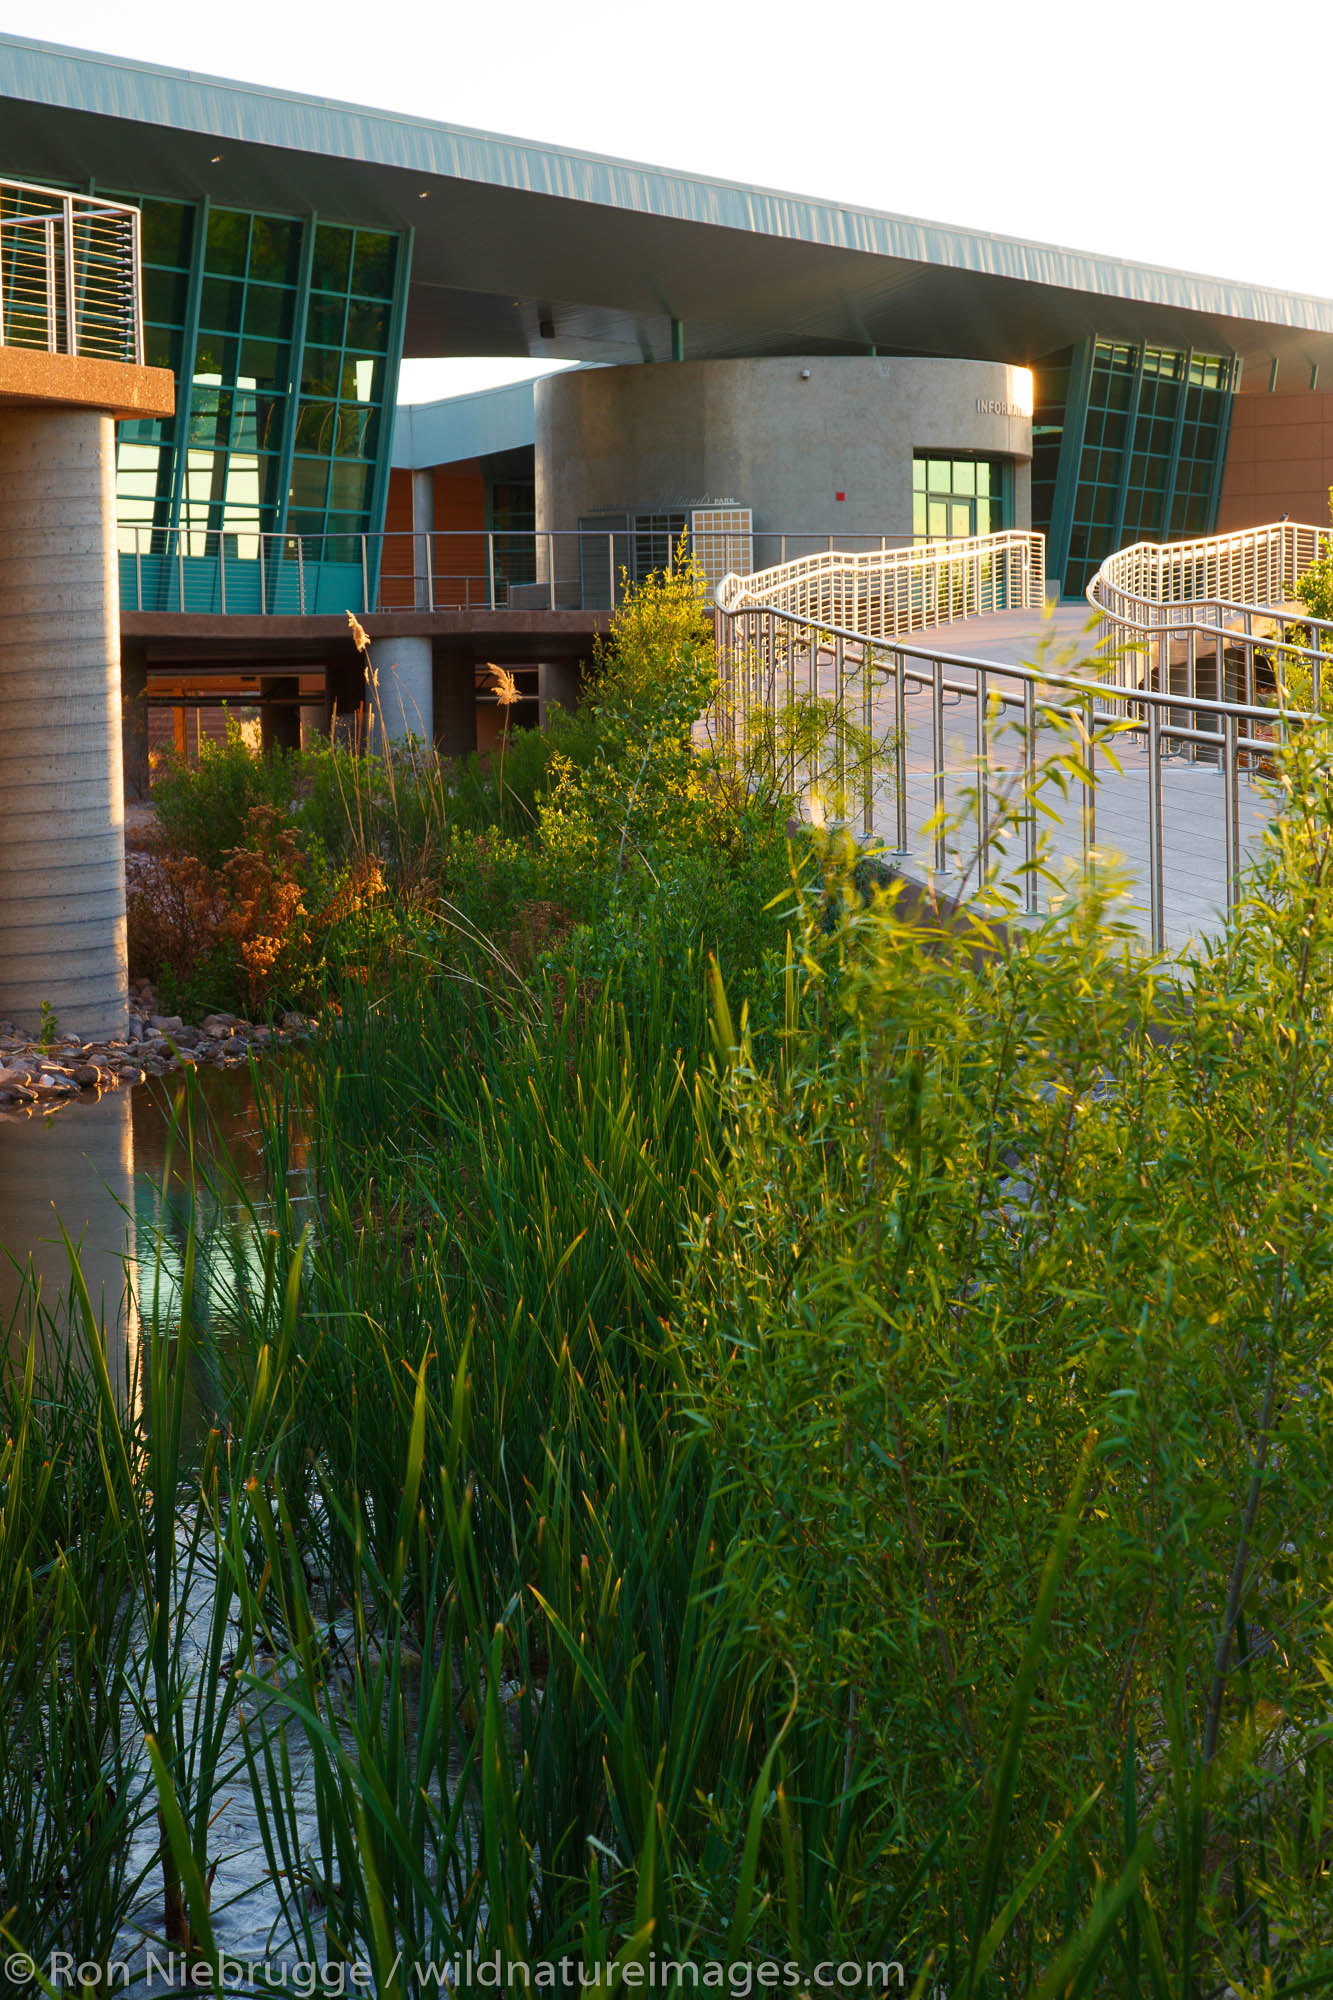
x,y
403,697
280,728
455,701
62,828
315,720
558,686
423,528
345,684
134,720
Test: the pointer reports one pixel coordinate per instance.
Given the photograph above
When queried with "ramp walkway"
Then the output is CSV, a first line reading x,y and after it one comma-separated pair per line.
x,y
1167,703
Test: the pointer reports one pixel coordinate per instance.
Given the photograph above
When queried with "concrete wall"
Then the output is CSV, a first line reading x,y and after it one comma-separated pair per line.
x,y
1279,460
783,437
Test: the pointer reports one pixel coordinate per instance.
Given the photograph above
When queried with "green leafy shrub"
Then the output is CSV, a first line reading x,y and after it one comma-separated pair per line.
x,y
991,1214
202,808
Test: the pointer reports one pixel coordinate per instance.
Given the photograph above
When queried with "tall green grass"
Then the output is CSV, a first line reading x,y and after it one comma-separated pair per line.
x,y
792,1435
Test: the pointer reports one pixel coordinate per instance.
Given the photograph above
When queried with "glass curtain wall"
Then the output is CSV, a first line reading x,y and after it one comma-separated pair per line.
x,y
239,383
281,334
146,447
1128,445
342,376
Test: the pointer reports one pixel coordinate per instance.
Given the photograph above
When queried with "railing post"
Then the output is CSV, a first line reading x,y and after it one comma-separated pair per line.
x,y
263,579
365,574
1030,815
49,237
867,739
490,569
937,758
180,570
136,287
138,569
900,744
550,570
1156,912
1090,786
300,573
1231,806
71,307
222,572
983,786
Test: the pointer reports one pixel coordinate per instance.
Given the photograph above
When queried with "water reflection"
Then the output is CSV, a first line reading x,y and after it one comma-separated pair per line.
x,y
75,1168
118,1175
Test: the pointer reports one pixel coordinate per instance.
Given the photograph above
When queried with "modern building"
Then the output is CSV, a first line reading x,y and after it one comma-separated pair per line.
x,y
763,371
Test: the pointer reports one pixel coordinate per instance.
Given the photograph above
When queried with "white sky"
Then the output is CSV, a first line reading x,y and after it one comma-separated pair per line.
x,y
1172,134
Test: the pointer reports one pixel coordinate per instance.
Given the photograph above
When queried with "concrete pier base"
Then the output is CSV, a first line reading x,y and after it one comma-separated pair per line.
x,y
403,701
62,846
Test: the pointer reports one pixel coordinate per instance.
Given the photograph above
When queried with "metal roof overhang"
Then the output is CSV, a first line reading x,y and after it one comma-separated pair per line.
x,y
511,236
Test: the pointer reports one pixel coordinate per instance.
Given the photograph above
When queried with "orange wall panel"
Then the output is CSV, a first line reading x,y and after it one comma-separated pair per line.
x,y
459,548
1279,459
396,569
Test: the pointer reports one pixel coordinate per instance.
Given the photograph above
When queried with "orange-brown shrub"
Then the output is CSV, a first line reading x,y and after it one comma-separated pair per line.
x,y
239,935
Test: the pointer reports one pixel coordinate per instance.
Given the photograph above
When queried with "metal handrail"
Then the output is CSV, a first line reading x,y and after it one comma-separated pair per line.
x,y
880,593
457,569
766,653
1166,602
69,273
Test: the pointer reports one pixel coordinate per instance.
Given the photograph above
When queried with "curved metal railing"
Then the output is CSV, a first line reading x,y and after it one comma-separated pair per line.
x,y
1222,608
885,592
1180,701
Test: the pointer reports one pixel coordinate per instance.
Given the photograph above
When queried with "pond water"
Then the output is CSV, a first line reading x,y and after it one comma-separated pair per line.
x,y
115,1174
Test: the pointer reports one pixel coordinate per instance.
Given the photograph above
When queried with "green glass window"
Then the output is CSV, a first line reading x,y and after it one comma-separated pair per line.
x,y
227,243
954,498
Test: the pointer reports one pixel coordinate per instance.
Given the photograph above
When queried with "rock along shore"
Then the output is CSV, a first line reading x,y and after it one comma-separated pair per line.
x,y
45,1077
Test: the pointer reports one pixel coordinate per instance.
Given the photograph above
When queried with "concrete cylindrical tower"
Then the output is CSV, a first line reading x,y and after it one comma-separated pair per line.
x,y
816,445
62,833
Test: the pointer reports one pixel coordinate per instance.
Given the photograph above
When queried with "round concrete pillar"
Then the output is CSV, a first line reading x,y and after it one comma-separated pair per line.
x,y
62,832
280,728
403,699
134,722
